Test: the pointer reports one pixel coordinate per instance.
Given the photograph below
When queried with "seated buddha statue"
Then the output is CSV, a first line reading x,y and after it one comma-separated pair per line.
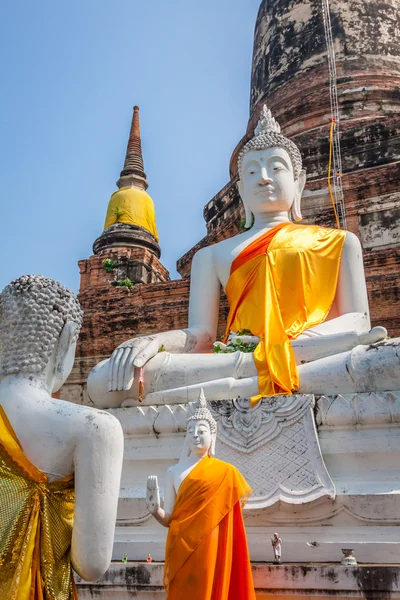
x,y
298,290
60,463
206,553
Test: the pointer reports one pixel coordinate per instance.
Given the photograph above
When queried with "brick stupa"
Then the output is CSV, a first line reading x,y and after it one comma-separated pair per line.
x,y
130,235
124,290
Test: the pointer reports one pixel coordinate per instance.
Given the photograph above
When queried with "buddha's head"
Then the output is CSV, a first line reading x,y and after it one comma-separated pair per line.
x,y
40,321
201,429
271,177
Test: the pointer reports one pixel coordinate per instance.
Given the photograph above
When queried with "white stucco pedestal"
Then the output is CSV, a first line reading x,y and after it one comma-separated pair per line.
x,y
323,483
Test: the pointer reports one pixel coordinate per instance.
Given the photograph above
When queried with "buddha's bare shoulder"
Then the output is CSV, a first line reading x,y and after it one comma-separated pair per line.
x,y
233,242
88,421
173,469
352,243
224,247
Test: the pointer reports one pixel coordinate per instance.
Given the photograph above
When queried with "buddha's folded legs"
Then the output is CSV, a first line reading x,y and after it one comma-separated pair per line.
x,y
177,378
168,373
373,368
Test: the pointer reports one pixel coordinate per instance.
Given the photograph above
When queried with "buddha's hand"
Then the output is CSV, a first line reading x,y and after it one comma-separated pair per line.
x,y
377,334
153,494
132,353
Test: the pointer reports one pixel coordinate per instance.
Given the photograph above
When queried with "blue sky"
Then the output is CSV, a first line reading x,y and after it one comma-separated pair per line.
x,y
71,73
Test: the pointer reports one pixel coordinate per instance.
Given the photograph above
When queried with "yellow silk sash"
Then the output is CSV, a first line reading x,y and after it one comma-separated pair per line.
x,y
280,285
36,519
206,553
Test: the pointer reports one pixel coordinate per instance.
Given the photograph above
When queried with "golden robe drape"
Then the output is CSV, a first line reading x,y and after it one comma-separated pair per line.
x,y
280,285
206,555
36,518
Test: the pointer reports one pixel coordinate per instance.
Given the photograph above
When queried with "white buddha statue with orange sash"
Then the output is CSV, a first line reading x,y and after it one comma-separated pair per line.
x,y
206,554
298,290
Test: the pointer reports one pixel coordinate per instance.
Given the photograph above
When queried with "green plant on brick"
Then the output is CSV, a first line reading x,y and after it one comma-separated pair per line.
x,y
109,264
127,283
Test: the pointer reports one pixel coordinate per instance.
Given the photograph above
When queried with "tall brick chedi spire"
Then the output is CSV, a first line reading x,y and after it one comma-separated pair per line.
x,y
130,224
133,171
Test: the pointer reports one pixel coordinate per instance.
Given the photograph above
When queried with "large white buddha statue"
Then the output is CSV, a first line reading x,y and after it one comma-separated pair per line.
x,y
60,463
298,289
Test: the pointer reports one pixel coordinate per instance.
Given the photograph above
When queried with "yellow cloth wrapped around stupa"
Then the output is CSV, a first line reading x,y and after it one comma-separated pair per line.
x,y
280,285
132,206
36,519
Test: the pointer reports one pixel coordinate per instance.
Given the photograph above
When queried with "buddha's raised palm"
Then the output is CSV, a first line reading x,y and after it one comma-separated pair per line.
x,y
153,494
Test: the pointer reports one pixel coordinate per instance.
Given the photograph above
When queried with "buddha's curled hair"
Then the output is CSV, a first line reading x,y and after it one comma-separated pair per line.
x,y
33,312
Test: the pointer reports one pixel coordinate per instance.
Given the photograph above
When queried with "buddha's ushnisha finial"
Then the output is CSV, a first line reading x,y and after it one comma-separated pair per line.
x,y
203,413
267,123
268,134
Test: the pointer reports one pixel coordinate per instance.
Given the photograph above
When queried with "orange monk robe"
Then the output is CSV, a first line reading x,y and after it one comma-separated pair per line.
x,y
36,519
206,554
280,285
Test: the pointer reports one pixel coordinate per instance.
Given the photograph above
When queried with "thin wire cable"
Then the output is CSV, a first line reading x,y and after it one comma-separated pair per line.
x,y
329,172
335,169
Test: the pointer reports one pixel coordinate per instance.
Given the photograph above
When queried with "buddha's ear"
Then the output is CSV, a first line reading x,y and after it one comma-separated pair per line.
x,y
185,451
296,206
240,188
65,352
211,450
249,217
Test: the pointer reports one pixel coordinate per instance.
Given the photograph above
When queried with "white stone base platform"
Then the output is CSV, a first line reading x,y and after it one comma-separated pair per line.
x,y
325,474
143,581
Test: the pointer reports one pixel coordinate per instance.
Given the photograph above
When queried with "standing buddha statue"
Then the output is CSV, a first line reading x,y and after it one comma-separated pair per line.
x,y
206,554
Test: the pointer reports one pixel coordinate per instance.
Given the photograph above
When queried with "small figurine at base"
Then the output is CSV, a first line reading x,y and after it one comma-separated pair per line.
x,y
277,546
206,554
348,559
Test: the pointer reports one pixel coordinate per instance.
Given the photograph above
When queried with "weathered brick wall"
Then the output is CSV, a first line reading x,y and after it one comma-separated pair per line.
x,y
139,264
113,314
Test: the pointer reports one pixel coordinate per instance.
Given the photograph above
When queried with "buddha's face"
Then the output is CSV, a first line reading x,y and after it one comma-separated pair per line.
x,y
199,437
267,183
